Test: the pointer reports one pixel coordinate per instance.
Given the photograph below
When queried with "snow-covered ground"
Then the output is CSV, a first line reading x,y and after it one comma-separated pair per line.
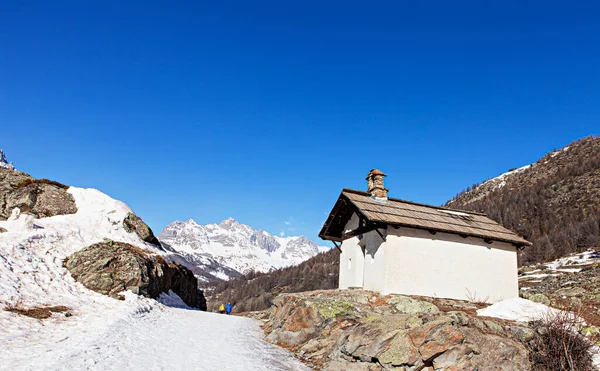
x,y
104,333
518,309
568,264
140,334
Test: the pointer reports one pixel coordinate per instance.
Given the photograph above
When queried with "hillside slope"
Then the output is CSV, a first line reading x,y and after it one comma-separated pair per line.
x,y
255,291
554,202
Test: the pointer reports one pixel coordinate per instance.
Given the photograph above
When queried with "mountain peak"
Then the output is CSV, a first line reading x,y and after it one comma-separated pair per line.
x,y
239,247
4,162
229,223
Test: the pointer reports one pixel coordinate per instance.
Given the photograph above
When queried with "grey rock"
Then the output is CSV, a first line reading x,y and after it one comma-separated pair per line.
x,y
409,305
133,223
523,334
111,267
40,198
453,357
341,365
539,298
496,327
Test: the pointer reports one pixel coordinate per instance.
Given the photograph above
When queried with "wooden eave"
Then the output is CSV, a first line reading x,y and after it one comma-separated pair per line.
x,y
390,214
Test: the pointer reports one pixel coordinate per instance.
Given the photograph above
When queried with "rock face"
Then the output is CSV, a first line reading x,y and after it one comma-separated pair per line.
x,y
362,330
111,267
133,223
40,198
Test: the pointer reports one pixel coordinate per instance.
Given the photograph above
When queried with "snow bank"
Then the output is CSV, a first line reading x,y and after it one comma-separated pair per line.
x,y
518,309
32,251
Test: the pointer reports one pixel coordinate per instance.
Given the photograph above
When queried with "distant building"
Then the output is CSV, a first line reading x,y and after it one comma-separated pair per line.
x,y
4,163
395,246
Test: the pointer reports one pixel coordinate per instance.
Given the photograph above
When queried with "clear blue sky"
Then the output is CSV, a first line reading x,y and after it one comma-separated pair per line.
x,y
264,111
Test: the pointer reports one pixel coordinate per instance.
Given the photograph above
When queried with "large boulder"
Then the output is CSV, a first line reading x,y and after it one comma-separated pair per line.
x,y
133,223
38,197
111,267
362,330
41,200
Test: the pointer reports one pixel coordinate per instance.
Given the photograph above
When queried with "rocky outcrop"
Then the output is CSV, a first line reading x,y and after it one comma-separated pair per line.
x,y
111,267
362,330
133,223
40,198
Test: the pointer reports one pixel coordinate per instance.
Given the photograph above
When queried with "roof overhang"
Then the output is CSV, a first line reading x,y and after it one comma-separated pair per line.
x,y
344,208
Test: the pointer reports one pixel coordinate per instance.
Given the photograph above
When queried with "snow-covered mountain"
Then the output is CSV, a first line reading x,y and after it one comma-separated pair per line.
x,y
4,162
234,246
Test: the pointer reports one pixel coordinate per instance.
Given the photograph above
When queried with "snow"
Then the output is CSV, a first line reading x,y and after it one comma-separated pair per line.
x,y
518,309
557,152
501,179
104,333
142,334
32,250
540,275
458,213
238,246
587,257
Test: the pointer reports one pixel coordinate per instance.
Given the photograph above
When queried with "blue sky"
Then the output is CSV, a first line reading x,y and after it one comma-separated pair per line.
x,y
264,111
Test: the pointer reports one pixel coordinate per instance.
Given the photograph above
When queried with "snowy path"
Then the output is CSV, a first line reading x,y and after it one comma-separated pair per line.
x,y
155,338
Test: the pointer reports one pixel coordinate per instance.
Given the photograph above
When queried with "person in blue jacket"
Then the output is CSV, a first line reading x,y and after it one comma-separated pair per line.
x,y
228,308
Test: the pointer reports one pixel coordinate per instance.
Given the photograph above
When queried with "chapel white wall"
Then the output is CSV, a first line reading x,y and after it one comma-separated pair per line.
x,y
352,259
448,266
375,261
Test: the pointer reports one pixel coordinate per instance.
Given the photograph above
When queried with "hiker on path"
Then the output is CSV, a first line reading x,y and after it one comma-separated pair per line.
x,y
228,308
222,309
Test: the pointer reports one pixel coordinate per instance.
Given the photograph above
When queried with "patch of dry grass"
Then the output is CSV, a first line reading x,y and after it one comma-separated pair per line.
x,y
557,344
29,181
37,312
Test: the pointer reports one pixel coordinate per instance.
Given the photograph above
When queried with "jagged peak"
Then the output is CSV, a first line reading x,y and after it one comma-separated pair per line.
x,y
231,223
4,162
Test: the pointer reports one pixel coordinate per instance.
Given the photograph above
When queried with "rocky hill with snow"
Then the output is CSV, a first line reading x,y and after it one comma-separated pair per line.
x,y
43,224
554,202
226,250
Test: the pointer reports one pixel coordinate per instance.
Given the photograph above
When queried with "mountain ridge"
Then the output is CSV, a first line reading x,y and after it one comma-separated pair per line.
x,y
233,248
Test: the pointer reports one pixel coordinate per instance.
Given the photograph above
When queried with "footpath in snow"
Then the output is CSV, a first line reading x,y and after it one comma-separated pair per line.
x,y
140,334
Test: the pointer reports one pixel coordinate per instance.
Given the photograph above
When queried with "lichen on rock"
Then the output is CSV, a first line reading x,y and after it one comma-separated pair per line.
x,y
409,305
333,308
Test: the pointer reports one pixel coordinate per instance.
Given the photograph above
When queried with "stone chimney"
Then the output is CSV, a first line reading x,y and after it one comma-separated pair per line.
x,y
376,187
